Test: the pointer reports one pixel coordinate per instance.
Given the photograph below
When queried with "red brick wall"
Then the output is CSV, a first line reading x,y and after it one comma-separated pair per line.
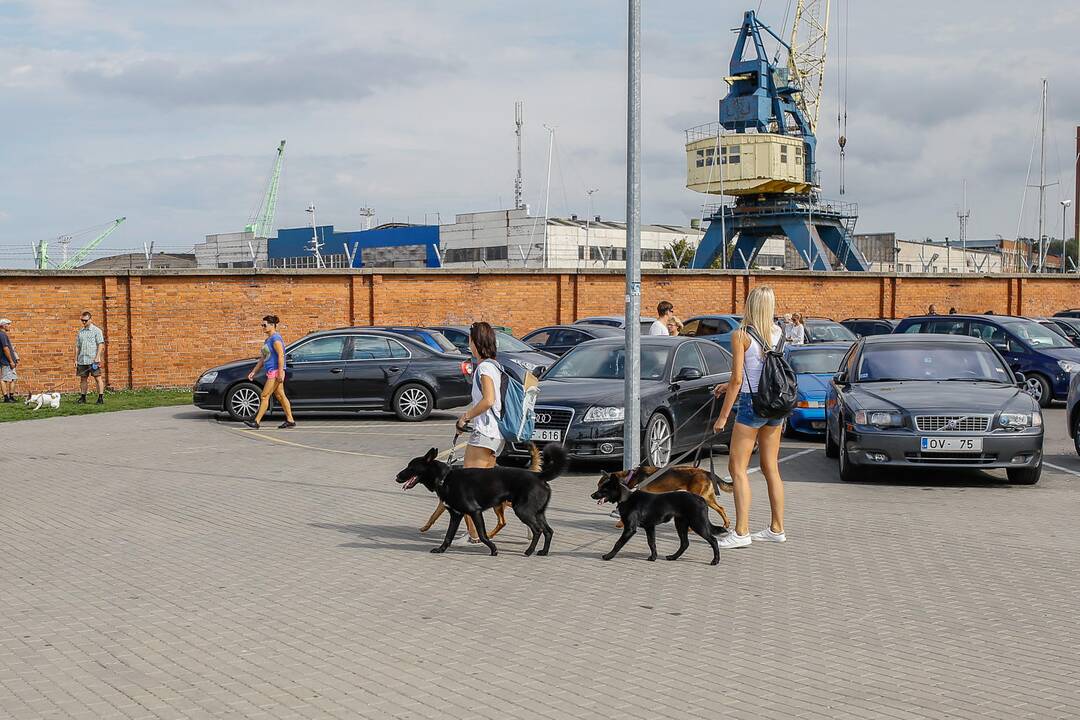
x,y
164,327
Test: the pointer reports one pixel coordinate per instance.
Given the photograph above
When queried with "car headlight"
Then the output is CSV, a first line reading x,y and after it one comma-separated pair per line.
x,y
603,414
1014,420
810,404
879,418
1069,367
208,378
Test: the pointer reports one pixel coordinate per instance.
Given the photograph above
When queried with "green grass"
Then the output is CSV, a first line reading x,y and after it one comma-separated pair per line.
x,y
120,400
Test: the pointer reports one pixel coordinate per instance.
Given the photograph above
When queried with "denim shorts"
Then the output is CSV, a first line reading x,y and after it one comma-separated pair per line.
x,y
745,414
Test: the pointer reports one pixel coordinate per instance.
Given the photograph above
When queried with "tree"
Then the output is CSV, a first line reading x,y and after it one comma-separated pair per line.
x,y
680,254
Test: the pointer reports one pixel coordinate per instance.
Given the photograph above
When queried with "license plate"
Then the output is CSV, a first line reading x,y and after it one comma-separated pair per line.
x,y
818,425
952,444
547,435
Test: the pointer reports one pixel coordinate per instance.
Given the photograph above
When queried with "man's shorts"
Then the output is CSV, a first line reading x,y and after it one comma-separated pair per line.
x,y
85,371
7,373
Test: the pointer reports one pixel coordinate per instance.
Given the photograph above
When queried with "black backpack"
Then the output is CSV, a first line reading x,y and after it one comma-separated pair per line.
x,y
778,386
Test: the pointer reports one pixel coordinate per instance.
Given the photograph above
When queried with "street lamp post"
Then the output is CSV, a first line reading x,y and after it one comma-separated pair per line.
x,y
632,379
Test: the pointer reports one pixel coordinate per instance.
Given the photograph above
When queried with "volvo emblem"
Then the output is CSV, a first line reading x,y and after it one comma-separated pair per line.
x,y
543,418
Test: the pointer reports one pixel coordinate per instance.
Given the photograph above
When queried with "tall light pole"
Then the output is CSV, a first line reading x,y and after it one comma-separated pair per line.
x,y
632,379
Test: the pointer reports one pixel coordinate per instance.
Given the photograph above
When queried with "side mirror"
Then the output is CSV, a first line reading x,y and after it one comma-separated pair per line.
x,y
538,372
1021,380
288,357
840,378
687,374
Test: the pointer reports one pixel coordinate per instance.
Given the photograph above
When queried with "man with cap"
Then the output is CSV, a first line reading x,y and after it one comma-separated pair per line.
x,y
8,360
89,345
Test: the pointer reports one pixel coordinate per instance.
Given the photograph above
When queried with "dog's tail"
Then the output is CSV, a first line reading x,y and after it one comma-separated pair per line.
x,y
534,458
555,462
722,484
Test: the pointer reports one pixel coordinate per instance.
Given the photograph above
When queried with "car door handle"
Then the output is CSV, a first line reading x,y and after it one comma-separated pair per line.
x,y
393,368
337,371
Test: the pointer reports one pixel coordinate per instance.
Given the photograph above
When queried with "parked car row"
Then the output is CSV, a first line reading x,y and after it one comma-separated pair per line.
x,y
412,371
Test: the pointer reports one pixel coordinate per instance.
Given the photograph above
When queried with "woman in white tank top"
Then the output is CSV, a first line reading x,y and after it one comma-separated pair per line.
x,y
750,428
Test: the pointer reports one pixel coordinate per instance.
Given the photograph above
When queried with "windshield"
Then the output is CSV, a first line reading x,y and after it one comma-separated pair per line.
x,y
509,343
829,332
817,362
931,362
1036,335
608,362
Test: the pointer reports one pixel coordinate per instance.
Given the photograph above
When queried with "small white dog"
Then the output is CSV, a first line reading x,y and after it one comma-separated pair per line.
x,y
48,399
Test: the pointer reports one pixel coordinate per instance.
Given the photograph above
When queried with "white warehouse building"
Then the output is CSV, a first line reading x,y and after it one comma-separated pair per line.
x,y
516,239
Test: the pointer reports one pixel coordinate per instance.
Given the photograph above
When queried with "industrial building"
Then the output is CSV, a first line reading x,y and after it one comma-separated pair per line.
x,y
136,261
516,239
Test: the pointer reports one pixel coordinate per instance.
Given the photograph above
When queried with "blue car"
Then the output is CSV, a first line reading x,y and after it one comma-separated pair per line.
x,y
715,328
814,365
1045,357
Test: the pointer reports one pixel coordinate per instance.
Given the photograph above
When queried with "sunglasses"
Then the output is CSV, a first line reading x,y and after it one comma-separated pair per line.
x,y
85,319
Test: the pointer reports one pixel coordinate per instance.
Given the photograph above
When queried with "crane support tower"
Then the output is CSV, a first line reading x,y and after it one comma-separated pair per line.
x,y
262,225
762,152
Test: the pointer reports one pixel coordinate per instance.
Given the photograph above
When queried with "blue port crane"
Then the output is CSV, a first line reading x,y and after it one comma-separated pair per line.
x,y
262,222
762,152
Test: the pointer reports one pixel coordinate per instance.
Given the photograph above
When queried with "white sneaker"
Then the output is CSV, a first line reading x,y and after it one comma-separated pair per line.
x,y
732,540
767,535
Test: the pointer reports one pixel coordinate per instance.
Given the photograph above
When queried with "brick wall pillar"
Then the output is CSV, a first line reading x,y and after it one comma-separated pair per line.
x,y
374,290
137,332
114,324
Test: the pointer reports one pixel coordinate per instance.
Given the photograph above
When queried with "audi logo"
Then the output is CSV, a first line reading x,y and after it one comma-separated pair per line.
x,y
543,418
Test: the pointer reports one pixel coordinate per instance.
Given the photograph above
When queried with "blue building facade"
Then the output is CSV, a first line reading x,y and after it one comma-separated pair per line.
x,y
387,245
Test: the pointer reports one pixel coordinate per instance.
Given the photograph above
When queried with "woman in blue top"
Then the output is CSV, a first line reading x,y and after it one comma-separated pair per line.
x,y
273,359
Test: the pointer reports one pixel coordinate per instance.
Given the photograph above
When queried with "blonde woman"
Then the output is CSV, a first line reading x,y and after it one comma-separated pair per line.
x,y
751,428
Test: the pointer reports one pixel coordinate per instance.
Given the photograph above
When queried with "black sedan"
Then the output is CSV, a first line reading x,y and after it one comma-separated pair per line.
x,y
581,398
558,339
941,401
515,356
347,369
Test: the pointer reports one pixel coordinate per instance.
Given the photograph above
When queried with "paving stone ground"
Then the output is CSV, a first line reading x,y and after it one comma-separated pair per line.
x,y
163,564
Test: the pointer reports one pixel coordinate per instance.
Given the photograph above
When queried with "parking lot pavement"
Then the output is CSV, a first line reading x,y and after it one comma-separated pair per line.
x,y
162,564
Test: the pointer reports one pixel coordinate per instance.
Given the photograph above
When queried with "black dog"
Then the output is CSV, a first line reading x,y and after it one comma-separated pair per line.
x,y
471,491
648,510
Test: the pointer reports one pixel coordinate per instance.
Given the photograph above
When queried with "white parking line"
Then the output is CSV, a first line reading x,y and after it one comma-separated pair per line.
x,y
751,471
1061,469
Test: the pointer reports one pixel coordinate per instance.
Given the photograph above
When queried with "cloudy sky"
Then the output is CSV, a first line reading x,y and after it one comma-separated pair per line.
x,y
168,112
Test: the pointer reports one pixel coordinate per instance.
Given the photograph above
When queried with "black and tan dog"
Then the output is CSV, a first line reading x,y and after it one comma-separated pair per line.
x,y
647,510
500,510
688,478
471,491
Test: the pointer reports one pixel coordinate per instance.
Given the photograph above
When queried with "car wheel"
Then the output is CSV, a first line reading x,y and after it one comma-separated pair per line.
x,y
242,402
1024,476
848,472
1039,388
413,402
832,450
658,440
1076,433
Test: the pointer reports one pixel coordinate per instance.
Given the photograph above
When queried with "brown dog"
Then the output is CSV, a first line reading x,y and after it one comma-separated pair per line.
x,y
688,478
500,510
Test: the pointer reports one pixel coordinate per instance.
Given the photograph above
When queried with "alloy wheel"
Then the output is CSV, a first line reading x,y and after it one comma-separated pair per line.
x,y
245,403
658,441
413,402
1034,388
